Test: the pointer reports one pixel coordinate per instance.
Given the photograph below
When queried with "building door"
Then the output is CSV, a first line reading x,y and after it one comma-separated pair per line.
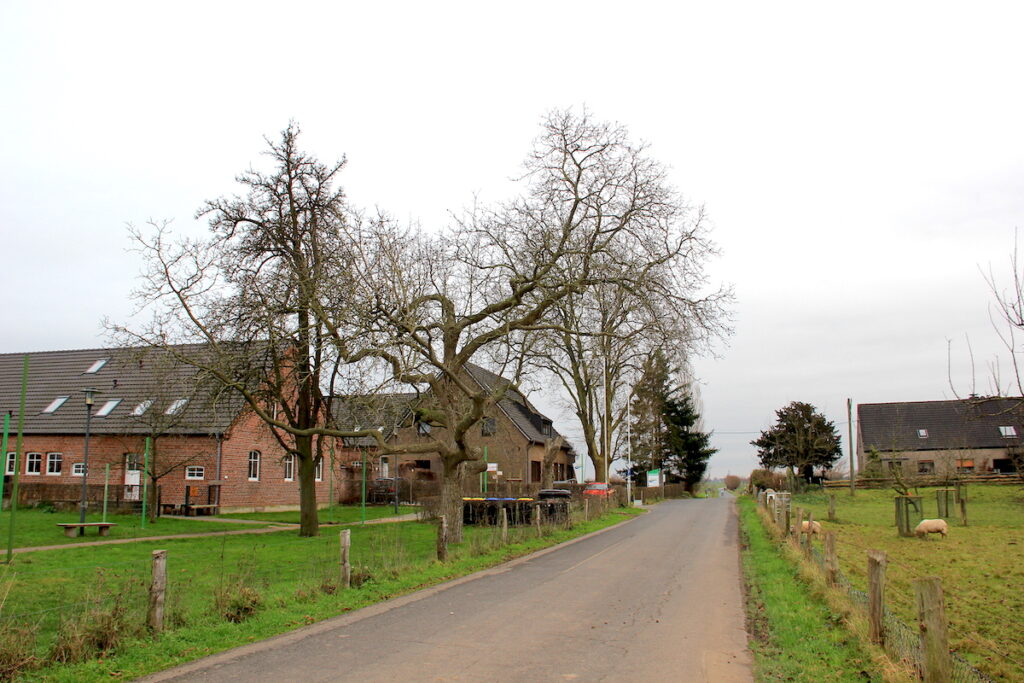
x,y
132,477
535,472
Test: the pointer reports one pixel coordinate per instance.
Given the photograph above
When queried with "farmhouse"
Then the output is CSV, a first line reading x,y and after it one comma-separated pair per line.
x,y
514,436
976,435
204,442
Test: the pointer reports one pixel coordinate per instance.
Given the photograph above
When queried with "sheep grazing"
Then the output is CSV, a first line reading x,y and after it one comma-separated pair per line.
x,y
931,526
811,527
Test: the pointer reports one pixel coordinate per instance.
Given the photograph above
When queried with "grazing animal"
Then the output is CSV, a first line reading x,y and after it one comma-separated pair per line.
x,y
931,526
811,527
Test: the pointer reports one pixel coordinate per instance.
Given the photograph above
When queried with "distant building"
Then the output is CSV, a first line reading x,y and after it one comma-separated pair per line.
x,y
976,435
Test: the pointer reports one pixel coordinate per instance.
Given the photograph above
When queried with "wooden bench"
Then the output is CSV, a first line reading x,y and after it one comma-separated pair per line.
x,y
196,510
71,530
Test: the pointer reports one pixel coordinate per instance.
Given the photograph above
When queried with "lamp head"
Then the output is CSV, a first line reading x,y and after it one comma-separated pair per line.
x,y
90,396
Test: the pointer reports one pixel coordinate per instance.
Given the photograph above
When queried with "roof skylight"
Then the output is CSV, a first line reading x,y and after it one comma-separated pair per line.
x,y
1008,432
142,408
176,407
95,367
922,433
56,403
108,407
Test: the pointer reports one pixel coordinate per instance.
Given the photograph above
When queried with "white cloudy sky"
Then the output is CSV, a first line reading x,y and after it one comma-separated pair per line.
x,y
860,163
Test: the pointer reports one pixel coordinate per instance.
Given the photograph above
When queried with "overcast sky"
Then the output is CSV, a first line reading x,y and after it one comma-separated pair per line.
x,y
861,165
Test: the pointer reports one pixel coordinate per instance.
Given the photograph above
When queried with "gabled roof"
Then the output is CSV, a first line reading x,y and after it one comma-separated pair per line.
x,y
941,425
514,404
368,412
133,375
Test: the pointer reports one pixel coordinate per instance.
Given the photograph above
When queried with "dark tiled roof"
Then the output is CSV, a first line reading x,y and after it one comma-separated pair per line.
x,y
132,375
949,425
367,412
523,414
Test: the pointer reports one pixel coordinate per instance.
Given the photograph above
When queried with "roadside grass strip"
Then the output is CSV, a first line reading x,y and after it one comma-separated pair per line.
x,y
341,514
794,634
226,591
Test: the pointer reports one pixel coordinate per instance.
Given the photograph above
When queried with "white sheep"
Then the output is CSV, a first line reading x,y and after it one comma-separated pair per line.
x,y
931,526
813,527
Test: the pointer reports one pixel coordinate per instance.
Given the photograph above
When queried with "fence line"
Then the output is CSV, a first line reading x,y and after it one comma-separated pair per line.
x,y
900,640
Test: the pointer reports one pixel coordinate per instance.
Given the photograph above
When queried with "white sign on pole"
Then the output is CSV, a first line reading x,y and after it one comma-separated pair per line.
x,y
654,478
492,467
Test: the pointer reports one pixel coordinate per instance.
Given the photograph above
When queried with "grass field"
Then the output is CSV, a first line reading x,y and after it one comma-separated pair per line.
x,y
222,591
36,527
981,565
340,514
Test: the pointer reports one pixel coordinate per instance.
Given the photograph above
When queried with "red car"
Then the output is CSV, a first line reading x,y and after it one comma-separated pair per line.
x,y
598,489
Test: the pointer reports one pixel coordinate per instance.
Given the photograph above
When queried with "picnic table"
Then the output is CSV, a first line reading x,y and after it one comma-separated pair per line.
x,y
73,529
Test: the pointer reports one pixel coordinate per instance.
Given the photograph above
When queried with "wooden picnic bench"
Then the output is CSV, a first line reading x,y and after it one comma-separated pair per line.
x,y
196,510
74,529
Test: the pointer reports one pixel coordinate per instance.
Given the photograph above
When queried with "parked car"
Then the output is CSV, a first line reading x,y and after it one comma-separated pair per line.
x,y
598,488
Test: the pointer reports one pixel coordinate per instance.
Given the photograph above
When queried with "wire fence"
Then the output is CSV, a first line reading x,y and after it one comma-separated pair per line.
x,y
902,642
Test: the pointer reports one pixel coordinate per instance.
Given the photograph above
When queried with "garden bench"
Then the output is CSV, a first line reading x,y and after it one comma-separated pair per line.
x,y
196,510
78,528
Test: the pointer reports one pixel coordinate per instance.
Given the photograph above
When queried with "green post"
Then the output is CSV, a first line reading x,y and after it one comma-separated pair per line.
x,y
363,468
106,489
485,470
145,479
17,459
3,453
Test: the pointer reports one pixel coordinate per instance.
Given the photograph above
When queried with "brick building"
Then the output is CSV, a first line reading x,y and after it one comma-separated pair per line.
x,y
203,438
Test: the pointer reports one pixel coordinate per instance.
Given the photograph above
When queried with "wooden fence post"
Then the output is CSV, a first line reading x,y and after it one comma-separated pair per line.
x,y
831,507
504,525
536,518
442,540
798,527
931,616
157,591
877,560
807,536
963,511
586,509
345,539
831,561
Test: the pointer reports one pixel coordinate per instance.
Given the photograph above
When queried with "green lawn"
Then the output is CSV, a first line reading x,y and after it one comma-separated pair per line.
x,y
36,527
339,514
795,637
981,565
290,581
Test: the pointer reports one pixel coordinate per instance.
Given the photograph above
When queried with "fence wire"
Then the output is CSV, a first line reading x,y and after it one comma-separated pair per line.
x,y
902,642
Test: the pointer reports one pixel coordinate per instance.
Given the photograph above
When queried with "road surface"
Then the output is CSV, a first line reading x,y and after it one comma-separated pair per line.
x,y
654,599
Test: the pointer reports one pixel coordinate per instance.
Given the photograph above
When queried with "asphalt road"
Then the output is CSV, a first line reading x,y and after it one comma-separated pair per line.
x,y
654,599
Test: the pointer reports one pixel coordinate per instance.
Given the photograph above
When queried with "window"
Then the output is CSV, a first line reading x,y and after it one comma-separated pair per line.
x,y
488,427
54,462
384,466
545,428
176,407
54,404
10,463
894,465
926,467
922,433
141,409
422,428
78,469
254,465
33,463
1008,432
318,472
195,472
289,467
95,367
422,465
108,407
964,466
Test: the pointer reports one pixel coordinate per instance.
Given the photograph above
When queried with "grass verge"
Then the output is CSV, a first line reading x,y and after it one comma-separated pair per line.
x,y
233,590
795,635
340,514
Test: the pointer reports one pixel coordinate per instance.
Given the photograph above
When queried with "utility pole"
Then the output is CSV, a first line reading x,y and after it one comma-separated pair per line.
x,y
849,432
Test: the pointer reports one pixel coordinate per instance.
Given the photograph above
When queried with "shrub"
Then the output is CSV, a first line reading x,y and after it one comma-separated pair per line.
x,y
237,601
732,482
767,479
17,649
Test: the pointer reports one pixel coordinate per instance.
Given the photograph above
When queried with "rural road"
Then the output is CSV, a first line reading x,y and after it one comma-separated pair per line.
x,y
655,599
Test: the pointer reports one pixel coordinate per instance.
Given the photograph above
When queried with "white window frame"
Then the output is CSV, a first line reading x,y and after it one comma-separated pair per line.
x,y
318,470
108,407
96,367
254,465
385,467
78,469
288,462
176,407
54,459
37,460
922,433
1008,432
191,473
141,409
9,466
55,404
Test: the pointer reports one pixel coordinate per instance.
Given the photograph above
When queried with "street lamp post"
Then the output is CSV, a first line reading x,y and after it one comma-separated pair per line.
x,y
90,394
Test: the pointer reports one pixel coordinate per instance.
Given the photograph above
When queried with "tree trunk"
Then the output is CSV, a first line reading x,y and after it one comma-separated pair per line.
x,y
309,523
451,503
